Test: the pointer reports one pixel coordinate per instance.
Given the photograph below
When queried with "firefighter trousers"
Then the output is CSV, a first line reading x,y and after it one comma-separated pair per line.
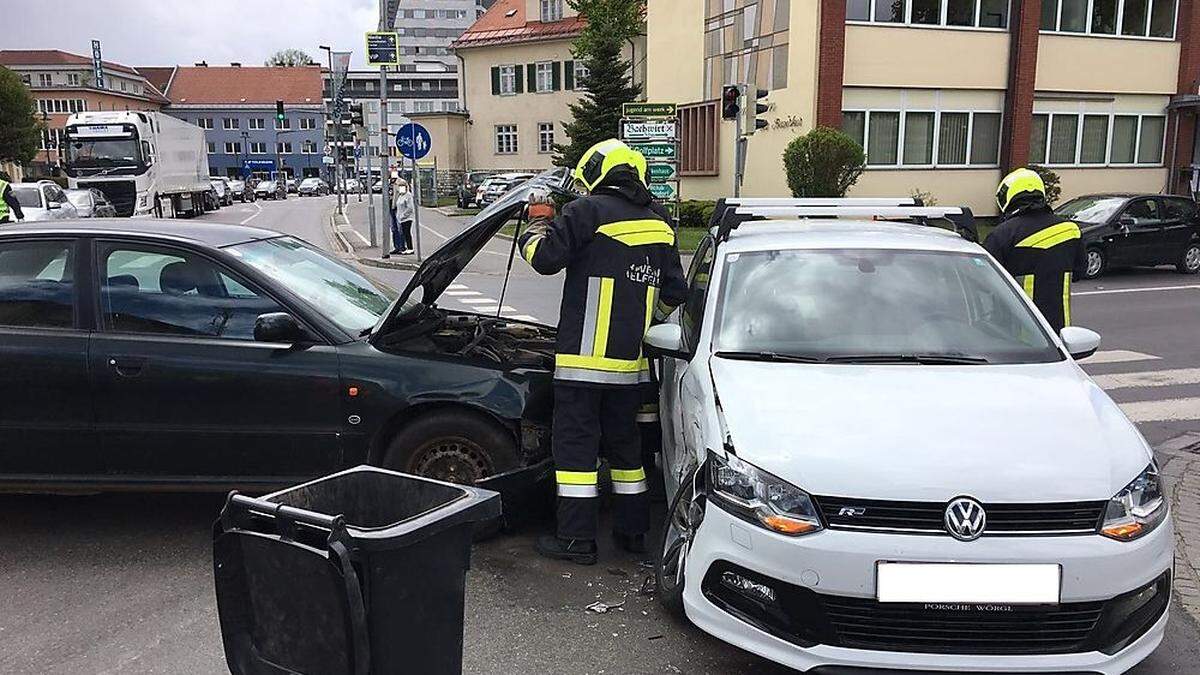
x,y
588,421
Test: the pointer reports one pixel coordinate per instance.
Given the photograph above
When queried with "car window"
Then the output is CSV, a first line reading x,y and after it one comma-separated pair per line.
x,y
1090,209
28,197
80,199
48,194
1143,212
1178,209
36,284
175,292
692,318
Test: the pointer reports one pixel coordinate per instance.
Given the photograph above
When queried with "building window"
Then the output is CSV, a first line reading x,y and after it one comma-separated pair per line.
x,y
308,123
1074,139
508,80
233,148
747,43
581,73
506,139
552,10
284,147
1124,18
258,148
230,123
925,139
204,122
212,148
257,123
45,80
545,76
73,79
699,139
954,13
285,123
545,137
308,148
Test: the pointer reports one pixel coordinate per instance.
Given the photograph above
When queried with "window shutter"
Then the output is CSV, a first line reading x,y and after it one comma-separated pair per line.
x,y
556,75
569,75
531,75
495,80
520,81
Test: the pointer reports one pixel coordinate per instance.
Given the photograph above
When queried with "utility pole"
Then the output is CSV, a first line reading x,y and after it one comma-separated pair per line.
x,y
384,144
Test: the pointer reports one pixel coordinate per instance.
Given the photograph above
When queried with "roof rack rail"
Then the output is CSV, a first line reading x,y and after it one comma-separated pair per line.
x,y
733,212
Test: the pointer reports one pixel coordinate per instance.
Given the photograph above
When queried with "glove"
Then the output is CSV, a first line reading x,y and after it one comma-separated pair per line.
x,y
541,211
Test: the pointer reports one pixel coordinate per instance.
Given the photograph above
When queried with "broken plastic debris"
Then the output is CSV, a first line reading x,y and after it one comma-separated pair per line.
x,y
603,607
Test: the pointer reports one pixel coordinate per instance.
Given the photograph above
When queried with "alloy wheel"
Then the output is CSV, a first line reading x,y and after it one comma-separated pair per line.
x,y
1095,262
1191,259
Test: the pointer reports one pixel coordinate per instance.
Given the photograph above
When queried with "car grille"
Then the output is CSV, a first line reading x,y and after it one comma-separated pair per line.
x,y
847,513
867,624
122,193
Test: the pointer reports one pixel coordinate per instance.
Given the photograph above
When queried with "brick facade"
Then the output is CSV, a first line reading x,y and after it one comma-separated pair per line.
x,y
1025,24
831,63
1182,128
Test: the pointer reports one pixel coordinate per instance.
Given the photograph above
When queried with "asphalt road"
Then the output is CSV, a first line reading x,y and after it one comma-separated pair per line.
x,y
122,583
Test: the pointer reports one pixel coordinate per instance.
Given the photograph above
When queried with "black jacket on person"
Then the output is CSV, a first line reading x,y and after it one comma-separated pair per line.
x,y
13,205
1040,250
621,258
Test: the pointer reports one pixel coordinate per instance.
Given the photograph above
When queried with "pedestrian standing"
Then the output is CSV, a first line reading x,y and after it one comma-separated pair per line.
x,y
402,218
621,260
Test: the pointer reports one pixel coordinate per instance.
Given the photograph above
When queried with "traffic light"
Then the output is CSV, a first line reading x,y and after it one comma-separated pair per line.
x,y
279,110
753,110
731,101
356,114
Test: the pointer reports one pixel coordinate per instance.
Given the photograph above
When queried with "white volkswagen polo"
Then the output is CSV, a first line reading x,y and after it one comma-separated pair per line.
x,y
878,454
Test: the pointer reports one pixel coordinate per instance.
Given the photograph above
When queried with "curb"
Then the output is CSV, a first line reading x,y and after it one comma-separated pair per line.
x,y
347,249
388,264
1180,469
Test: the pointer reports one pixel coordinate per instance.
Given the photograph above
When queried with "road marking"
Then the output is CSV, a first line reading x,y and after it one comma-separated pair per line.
x,y
1149,378
253,215
457,287
434,232
455,293
1167,410
525,317
477,301
363,239
1116,356
1138,290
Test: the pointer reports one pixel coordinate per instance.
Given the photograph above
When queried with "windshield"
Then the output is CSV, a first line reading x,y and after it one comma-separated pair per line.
x,y
352,300
1091,209
27,197
310,182
103,152
838,304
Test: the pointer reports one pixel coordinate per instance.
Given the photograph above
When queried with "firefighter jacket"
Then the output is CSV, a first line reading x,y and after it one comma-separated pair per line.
x,y
1040,250
621,260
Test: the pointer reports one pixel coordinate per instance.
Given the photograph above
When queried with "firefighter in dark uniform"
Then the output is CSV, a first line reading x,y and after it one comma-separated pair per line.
x,y
9,206
1037,247
621,260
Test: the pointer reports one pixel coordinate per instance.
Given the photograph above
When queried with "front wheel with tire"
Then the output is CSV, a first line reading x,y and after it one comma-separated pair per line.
x,y
1094,263
452,445
1189,261
679,530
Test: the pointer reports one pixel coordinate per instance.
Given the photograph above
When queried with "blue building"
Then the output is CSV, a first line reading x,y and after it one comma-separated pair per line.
x,y
235,105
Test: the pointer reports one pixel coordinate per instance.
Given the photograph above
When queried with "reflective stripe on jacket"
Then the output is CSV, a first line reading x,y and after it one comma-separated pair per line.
x,y
3,202
1041,251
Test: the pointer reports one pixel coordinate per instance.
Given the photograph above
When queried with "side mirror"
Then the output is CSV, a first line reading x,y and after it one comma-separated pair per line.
x,y
1125,223
278,327
54,205
1080,342
666,339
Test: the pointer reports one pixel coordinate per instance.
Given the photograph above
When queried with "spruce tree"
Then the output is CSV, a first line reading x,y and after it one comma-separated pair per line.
x,y
608,83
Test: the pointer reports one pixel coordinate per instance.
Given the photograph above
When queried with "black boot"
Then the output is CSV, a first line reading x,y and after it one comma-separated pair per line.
x,y
582,551
634,543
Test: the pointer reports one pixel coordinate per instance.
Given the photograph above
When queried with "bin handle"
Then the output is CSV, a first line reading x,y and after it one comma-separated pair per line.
x,y
358,612
283,511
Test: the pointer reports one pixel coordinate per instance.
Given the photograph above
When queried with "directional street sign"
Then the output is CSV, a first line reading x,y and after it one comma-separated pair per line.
x,y
655,150
648,130
648,110
660,172
383,48
663,190
413,141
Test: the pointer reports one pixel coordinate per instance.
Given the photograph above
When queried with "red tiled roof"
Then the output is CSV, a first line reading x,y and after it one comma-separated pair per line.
x,y
505,23
246,84
160,77
53,57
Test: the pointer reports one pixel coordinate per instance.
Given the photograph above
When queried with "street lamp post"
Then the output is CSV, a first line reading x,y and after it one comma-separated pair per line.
x,y
245,149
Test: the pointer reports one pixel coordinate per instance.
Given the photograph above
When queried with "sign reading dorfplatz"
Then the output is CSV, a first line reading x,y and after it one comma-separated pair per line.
x,y
668,110
383,48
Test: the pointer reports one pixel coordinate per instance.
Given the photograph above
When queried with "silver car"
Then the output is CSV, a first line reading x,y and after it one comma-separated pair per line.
x,y
91,203
44,200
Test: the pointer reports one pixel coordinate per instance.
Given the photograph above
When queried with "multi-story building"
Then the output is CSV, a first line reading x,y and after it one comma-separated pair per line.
x,y
63,83
235,105
408,93
944,95
428,27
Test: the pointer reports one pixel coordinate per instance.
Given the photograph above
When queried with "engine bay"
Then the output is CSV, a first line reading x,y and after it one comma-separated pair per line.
x,y
508,343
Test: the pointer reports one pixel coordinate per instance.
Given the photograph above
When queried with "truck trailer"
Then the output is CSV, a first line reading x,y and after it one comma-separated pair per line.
x,y
146,163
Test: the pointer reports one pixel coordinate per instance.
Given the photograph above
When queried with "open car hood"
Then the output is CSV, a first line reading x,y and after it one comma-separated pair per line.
x,y
445,264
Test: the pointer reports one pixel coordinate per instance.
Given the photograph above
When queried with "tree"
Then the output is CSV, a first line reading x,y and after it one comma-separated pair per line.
x,y
1050,179
290,58
822,163
608,83
19,128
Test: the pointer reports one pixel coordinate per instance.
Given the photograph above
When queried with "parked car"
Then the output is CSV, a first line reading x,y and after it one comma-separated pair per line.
x,y
499,184
1124,230
43,200
470,187
1007,518
292,185
91,203
241,191
224,195
222,355
267,189
312,187
352,185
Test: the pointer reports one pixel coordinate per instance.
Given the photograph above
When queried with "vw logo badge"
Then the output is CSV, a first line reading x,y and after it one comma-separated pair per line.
x,y
965,519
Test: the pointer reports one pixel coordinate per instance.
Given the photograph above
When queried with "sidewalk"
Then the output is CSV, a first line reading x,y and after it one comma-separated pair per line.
x,y
350,232
1179,464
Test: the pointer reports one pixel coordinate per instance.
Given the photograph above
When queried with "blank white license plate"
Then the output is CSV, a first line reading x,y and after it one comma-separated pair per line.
x,y
1018,584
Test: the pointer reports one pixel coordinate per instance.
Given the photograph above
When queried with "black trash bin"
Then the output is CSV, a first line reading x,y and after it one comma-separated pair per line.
x,y
358,572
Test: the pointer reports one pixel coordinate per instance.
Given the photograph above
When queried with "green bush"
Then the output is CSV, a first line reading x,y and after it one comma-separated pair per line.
x,y
1050,178
695,213
822,163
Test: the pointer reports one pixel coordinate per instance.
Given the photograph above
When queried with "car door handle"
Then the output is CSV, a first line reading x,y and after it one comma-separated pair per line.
x,y
126,366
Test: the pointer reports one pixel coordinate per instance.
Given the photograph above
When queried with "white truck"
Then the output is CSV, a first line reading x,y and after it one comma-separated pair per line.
x,y
146,163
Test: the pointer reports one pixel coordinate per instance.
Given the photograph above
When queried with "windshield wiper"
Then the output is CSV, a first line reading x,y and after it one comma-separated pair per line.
x,y
924,359
767,356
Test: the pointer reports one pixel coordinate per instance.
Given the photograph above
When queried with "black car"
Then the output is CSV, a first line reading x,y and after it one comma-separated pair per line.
x,y
143,354
470,186
1123,230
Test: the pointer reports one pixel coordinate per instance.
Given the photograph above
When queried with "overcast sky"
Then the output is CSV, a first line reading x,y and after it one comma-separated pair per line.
x,y
182,32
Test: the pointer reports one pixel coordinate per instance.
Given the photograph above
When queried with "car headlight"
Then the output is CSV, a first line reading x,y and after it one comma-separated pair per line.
x,y
1136,510
757,496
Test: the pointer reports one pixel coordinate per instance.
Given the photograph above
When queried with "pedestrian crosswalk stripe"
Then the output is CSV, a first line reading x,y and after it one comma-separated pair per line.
x,y
457,287
1167,410
477,301
1116,356
1148,378
463,293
